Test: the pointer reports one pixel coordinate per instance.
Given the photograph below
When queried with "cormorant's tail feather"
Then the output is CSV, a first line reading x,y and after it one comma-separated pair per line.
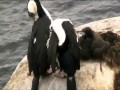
x,y
35,83
71,83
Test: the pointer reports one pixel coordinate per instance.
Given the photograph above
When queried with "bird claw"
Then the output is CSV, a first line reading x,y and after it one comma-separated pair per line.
x,y
61,74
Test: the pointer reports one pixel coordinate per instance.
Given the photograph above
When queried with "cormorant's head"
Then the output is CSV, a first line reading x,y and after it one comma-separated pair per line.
x,y
88,32
32,9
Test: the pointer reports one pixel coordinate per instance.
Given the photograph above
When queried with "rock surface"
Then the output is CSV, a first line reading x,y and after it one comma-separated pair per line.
x,y
89,77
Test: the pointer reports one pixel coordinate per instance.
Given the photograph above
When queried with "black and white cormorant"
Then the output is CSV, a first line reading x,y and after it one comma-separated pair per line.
x,y
37,48
66,48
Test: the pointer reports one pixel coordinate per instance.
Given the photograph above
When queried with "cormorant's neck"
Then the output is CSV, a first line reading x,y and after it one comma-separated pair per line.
x,y
40,10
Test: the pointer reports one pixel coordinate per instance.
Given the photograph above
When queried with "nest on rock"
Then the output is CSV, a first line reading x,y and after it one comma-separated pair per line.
x,y
112,58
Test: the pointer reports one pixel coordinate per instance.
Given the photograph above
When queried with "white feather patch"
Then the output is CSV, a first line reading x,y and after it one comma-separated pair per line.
x,y
70,78
34,40
32,7
58,29
47,44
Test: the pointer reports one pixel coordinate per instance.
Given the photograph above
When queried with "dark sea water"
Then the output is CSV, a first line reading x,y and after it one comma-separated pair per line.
x,y
15,26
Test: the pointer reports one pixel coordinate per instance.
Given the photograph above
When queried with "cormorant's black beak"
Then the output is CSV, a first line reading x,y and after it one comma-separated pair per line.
x,y
32,16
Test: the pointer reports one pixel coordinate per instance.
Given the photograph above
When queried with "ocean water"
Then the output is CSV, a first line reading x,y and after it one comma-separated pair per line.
x,y
15,26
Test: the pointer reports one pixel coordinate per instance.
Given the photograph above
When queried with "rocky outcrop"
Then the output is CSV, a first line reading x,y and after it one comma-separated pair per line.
x,y
89,77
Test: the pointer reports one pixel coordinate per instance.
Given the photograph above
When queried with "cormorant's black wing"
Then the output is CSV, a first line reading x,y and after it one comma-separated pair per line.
x,y
74,47
52,50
